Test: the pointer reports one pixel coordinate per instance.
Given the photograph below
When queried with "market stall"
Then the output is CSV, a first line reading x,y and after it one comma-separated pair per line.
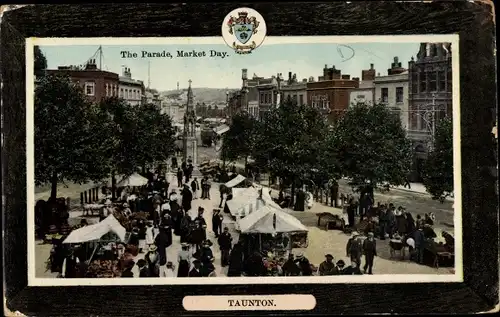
x,y
238,181
269,229
96,242
134,180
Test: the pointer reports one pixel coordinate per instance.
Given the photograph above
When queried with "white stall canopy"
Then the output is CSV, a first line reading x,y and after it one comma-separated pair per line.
x,y
97,231
221,129
133,180
235,181
268,219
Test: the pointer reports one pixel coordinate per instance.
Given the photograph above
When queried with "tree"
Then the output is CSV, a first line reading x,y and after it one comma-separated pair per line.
x,y
289,141
69,143
372,147
141,135
438,168
40,62
238,142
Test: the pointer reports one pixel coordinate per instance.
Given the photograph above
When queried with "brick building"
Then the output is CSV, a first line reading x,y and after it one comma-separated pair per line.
x,y
95,83
331,93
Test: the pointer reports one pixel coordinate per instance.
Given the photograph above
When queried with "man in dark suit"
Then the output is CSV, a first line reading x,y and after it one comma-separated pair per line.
x,y
370,250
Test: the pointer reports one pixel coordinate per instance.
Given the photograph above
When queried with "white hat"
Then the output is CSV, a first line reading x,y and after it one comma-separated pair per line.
x,y
300,255
165,206
107,202
355,234
398,212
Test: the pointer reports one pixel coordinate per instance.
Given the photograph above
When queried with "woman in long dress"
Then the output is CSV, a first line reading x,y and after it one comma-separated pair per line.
x,y
150,234
184,261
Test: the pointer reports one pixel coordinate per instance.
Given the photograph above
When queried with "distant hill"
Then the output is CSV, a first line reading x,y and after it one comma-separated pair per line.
x,y
206,95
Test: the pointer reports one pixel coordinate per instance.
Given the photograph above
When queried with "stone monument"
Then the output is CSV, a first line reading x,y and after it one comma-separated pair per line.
x,y
190,140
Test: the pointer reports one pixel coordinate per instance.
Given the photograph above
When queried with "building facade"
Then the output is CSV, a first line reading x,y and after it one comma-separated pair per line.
x,y
430,97
95,83
268,92
364,94
331,93
295,90
131,90
392,90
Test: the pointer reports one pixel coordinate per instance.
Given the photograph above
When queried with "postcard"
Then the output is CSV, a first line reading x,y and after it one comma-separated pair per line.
x,y
243,159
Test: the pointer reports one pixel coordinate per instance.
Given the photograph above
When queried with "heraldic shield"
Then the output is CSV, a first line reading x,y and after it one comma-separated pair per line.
x,y
243,32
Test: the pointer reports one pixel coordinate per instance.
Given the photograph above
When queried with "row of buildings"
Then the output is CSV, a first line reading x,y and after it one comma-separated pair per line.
x,y
98,84
420,93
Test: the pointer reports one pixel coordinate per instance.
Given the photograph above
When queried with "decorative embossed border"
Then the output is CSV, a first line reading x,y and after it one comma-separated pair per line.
x,y
472,21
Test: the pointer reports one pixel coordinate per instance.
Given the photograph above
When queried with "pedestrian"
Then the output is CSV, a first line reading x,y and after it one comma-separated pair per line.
x,y
340,266
208,185
187,198
179,177
162,241
304,265
150,234
194,187
184,226
152,259
327,267
143,268
351,210
222,191
235,261
419,238
184,260
127,272
216,222
352,270
203,188
206,257
370,250
334,193
354,248
225,244
290,268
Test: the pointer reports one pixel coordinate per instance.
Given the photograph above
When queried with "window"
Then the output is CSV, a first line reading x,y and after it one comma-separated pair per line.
x,y
432,81
423,81
384,95
261,98
301,99
294,98
441,81
399,94
107,90
121,92
90,88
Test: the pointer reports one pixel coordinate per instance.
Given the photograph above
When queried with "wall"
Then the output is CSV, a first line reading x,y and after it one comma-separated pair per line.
x,y
363,95
391,83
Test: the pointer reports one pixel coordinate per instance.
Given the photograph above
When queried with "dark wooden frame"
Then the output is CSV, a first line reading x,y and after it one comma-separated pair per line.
x,y
472,21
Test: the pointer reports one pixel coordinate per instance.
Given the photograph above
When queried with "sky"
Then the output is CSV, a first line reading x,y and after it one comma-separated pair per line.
x,y
215,72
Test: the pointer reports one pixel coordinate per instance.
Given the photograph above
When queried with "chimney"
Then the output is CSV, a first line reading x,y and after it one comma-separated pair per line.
x,y
368,74
355,78
289,77
346,76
